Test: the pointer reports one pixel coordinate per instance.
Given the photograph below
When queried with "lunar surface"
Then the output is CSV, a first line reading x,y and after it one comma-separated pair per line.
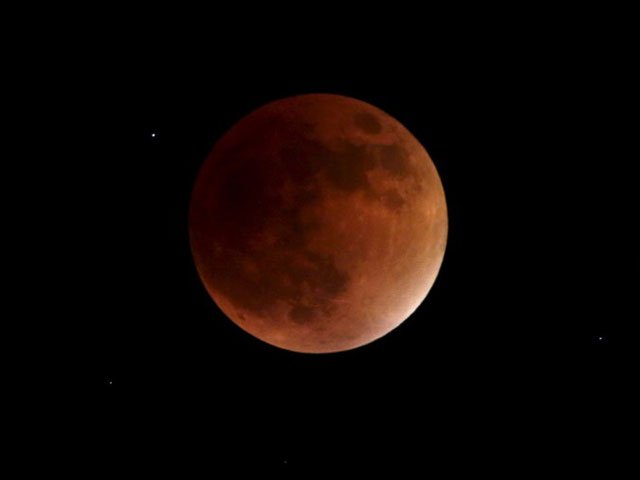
x,y
318,223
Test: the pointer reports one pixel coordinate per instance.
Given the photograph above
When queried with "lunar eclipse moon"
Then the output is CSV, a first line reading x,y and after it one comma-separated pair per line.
x,y
318,223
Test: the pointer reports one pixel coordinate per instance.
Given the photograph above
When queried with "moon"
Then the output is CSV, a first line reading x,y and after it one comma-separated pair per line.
x,y
318,223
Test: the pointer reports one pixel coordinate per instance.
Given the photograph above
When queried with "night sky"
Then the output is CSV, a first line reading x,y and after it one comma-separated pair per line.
x,y
522,353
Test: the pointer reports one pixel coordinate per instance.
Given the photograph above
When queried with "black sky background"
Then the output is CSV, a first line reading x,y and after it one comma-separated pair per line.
x,y
500,370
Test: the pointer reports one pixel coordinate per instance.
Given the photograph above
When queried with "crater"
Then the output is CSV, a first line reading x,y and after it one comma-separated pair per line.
x,y
367,123
393,200
301,314
394,159
346,167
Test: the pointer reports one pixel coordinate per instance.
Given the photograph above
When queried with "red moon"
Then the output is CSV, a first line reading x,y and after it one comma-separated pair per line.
x,y
318,223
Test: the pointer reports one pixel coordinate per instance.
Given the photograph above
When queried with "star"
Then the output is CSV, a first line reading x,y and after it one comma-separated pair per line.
x,y
153,135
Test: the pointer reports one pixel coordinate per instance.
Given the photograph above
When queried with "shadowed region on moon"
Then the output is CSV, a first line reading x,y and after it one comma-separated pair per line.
x,y
367,122
318,223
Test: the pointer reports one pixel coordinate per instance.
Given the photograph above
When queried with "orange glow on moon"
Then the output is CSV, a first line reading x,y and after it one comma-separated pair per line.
x,y
318,223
